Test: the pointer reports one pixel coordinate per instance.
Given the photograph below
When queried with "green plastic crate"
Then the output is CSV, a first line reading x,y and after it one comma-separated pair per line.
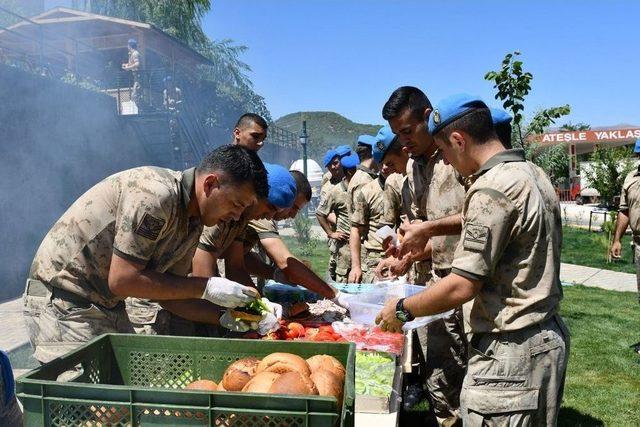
x,y
131,380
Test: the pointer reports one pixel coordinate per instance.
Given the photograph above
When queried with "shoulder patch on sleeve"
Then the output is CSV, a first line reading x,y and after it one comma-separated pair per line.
x,y
150,227
476,237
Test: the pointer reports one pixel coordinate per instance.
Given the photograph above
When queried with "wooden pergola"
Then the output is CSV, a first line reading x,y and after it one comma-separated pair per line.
x,y
85,43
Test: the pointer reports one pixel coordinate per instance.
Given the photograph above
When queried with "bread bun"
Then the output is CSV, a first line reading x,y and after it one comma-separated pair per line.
x,y
281,363
239,373
243,315
329,363
261,383
206,385
293,383
221,387
328,384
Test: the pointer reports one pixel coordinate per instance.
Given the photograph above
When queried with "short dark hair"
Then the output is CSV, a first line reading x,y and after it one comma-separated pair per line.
x,y
406,97
302,184
503,130
477,123
239,166
247,118
394,148
364,152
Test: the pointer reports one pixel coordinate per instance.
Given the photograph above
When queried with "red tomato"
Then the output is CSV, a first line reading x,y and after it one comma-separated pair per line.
x,y
323,336
326,328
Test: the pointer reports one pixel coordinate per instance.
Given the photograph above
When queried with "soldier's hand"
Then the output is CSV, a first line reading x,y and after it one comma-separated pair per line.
x,y
355,275
382,270
414,238
226,293
400,267
387,319
616,249
340,236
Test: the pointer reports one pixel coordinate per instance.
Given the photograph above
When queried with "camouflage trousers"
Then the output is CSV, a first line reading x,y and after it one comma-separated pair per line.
x,y
59,322
147,317
343,262
516,378
332,244
10,413
369,261
444,348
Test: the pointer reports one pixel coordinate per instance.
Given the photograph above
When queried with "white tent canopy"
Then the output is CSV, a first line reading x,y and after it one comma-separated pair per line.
x,y
314,171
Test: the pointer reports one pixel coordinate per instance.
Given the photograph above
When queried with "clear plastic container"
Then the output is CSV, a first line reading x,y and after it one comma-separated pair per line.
x,y
364,308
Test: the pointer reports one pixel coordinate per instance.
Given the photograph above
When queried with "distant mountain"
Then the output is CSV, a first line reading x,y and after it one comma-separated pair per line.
x,y
326,129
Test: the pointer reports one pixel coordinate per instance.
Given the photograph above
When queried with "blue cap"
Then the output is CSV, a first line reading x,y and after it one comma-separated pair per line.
x,y
451,109
343,150
328,157
351,161
282,186
500,116
636,149
132,42
384,139
367,140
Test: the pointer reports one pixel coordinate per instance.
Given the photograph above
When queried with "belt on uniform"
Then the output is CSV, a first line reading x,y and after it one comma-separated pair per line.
x,y
37,288
555,319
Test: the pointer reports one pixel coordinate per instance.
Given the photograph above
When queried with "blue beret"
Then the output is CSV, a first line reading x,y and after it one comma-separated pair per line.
x,y
636,149
343,150
384,139
350,161
367,140
326,160
132,42
500,116
282,186
451,109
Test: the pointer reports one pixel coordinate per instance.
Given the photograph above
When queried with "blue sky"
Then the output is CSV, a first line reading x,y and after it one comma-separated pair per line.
x,y
348,55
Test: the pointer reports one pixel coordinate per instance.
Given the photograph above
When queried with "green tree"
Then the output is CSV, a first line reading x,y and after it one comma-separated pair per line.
x,y
609,167
513,84
554,160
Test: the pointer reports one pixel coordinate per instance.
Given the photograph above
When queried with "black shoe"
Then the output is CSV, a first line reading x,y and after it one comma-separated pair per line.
x,y
636,347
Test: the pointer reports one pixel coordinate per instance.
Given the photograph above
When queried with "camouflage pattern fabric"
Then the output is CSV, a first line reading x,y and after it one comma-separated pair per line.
x,y
518,344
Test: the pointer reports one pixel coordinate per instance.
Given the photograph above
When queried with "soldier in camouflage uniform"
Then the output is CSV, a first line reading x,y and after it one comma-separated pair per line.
x,y
332,162
134,235
365,173
378,203
506,273
241,262
336,203
629,215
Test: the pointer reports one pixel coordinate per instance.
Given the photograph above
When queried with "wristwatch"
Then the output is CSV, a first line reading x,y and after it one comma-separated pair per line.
x,y
402,314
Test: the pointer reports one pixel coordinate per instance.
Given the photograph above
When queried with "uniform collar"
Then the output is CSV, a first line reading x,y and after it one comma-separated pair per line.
x,y
368,171
186,185
507,156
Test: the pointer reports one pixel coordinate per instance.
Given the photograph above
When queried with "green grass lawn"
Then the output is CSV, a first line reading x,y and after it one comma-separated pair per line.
x,y
603,379
587,248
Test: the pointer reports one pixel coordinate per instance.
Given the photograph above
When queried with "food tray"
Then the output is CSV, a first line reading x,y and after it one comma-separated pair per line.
x,y
132,380
383,405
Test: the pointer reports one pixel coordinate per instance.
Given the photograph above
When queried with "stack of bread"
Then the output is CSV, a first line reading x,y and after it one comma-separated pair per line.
x,y
281,373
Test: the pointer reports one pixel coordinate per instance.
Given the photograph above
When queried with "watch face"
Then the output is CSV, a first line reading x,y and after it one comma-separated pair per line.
x,y
401,316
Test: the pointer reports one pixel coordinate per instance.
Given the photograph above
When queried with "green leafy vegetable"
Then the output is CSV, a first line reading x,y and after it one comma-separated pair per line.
x,y
374,374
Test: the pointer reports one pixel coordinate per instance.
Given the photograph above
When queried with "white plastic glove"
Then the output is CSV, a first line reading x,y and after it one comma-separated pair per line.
x,y
228,322
271,320
226,293
341,300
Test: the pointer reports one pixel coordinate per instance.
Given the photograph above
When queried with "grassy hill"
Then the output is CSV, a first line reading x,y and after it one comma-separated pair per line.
x,y
326,129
